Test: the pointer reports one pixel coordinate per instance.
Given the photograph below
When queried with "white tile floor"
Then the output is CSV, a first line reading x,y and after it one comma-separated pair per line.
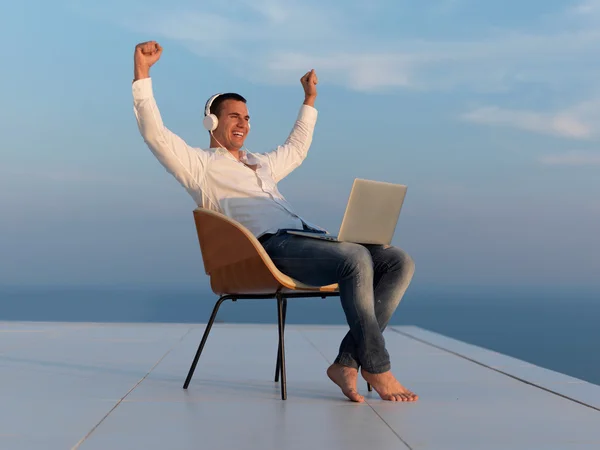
x,y
119,386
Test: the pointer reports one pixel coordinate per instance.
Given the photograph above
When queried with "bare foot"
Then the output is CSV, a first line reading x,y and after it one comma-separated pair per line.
x,y
345,378
388,387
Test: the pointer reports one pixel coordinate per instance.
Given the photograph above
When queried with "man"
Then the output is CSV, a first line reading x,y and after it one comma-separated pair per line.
x,y
243,186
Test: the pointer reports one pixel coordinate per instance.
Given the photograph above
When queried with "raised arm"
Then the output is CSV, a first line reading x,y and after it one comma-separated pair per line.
x,y
290,155
182,161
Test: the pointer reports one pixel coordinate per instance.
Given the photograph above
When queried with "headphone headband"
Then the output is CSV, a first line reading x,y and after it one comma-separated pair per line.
x,y
209,103
210,120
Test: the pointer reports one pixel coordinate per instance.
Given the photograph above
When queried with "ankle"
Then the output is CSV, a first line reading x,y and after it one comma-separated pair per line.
x,y
367,374
384,371
343,367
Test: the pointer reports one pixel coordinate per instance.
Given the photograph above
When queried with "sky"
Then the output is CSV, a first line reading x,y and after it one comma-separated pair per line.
x,y
488,111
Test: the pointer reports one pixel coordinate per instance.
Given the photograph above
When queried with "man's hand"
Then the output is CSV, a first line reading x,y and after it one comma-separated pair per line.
x,y
146,54
309,83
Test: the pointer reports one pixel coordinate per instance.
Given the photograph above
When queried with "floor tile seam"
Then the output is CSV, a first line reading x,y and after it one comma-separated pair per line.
x,y
366,400
313,345
522,380
95,427
389,426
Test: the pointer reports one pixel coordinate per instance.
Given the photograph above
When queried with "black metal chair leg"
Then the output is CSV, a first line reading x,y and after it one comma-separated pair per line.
x,y
278,365
280,306
369,387
204,338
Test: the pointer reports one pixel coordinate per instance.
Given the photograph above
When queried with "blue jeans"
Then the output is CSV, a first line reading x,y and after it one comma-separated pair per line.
x,y
372,280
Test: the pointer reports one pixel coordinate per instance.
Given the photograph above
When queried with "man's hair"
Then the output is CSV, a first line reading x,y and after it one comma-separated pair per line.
x,y
217,104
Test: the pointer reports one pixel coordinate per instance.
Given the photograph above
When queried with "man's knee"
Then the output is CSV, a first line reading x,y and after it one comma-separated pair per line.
x,y
357,260
400,260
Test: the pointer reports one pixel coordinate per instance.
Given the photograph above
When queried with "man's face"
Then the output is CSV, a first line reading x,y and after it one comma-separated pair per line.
x,y
233,124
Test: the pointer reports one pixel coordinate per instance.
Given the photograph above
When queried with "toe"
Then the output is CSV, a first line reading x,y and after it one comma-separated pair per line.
x,y
354,396
357,398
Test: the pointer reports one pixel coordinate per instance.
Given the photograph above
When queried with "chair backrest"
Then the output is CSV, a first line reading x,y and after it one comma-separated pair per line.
x,y
233,258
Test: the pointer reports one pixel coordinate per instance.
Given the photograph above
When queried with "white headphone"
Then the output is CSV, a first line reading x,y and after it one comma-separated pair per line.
x,y
211,121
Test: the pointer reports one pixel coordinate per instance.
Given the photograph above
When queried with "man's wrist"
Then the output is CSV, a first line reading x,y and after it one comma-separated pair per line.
x,y
141,73
309,100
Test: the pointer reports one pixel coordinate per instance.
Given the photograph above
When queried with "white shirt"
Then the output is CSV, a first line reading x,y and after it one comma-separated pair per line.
x,y
218,181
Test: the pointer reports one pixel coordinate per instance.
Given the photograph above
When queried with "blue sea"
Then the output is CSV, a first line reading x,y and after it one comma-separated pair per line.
x,y
553,328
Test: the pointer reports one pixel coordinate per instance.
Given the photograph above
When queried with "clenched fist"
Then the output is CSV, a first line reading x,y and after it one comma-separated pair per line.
x,y
146,54
309,83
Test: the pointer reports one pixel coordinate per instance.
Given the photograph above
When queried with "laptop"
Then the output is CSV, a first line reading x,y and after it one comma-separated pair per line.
x,y
371,214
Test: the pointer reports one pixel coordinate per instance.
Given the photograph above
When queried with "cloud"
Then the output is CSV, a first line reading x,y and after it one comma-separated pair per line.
x,y
579,121
586,7
573,158
270,41
364,72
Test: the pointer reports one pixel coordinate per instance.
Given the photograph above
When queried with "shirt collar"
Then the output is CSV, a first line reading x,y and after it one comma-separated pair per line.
x,y
245,156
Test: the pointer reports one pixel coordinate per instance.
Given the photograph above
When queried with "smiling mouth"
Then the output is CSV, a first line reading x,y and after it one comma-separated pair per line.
x,y
238,134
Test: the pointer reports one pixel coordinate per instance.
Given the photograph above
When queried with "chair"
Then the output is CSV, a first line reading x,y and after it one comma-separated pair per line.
x,y
240,269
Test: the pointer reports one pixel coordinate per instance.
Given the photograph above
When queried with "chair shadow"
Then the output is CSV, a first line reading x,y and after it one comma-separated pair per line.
x,y
254,389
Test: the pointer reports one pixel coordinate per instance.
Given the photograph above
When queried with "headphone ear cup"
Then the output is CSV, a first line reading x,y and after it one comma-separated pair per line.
x,y
210,122
248,126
